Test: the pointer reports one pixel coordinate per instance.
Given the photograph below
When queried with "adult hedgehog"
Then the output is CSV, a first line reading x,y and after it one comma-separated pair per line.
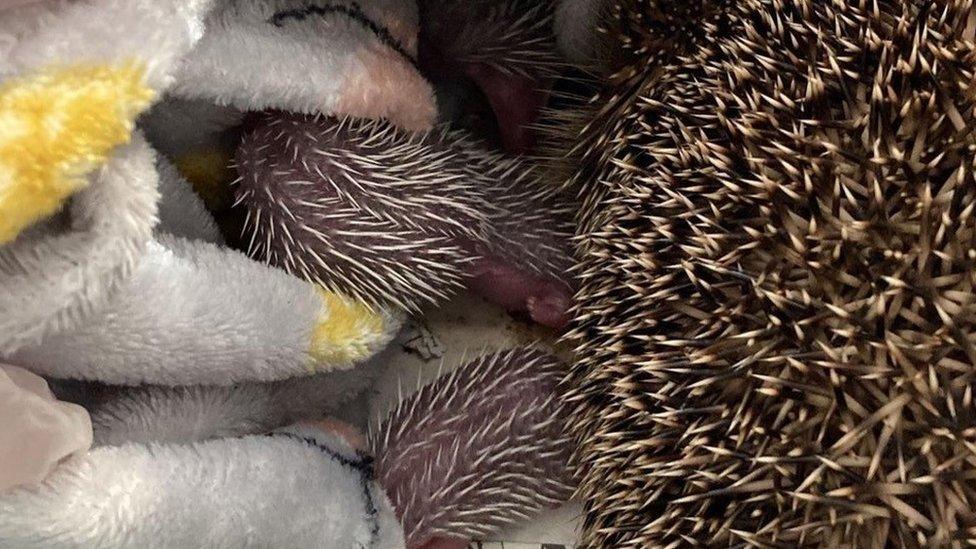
x,y
776,319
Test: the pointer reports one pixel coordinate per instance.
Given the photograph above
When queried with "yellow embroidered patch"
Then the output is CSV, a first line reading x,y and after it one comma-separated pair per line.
x,y
346,332
56,126
210,174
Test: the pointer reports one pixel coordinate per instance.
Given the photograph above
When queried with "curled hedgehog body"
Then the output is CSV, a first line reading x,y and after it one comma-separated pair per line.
x,y
478,449
775,323
404,218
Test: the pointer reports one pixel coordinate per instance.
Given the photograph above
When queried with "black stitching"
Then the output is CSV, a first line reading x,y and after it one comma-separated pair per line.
x,y
353,11
363,465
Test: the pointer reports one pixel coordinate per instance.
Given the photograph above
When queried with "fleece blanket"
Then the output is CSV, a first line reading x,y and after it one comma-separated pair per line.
x,y
204,375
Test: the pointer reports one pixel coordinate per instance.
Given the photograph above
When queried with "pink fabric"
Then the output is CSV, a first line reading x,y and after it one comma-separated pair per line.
x,y
37,431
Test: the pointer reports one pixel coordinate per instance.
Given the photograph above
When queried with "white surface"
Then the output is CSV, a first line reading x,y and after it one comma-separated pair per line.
x,y
559,526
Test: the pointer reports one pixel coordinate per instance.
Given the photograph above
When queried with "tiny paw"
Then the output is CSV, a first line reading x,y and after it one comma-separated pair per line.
x,y
547,301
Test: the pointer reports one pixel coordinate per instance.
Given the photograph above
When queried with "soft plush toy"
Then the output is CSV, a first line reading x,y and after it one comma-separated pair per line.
x,y
212,467
128,283
113,271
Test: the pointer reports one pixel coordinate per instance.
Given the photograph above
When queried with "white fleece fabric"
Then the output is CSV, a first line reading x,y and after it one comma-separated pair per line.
x,y
298,488
92,295
191,414
193,313
56,275
157,33
181,212
312,62
128,285
58,272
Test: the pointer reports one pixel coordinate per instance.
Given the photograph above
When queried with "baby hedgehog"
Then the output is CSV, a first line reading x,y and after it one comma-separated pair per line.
x,y
403,218
483,447
506,47
776,316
